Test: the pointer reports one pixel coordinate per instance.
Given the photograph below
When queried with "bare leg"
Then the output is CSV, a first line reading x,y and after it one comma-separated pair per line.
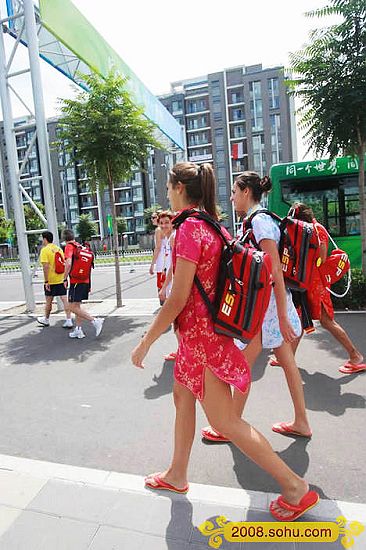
x,y
48,306
341,336
250,353
185,425
219,408
80,313
285,356
66,307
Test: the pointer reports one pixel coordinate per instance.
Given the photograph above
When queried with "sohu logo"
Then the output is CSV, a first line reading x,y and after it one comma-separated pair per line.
x,y
228,304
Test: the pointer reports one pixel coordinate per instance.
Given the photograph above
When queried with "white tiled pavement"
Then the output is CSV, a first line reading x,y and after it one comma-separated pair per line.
x,y
48,506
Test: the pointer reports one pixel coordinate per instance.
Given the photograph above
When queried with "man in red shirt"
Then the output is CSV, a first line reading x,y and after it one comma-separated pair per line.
x,y
78,289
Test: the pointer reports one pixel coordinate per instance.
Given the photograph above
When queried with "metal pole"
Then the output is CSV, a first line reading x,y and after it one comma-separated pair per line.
x,y
100,215
13,168
41,125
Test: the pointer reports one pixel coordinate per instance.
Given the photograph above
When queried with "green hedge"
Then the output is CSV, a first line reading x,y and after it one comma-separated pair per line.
x,y
356,297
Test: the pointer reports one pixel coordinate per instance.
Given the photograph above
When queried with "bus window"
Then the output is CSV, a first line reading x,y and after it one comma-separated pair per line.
x,y
334,201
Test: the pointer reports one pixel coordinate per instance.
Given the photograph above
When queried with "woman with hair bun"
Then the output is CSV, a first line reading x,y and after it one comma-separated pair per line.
x,y
281,324
207,363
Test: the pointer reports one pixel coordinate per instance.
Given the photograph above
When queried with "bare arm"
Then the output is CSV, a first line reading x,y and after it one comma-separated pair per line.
x,y
182,285
270,246
323,252
158,242
46,270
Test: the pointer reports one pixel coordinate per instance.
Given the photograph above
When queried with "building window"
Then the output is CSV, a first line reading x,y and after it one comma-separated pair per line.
x,y
236,96
276,143
259,156
273,93
256,108
177,105
238,131
215,91
198,138
237,114
199,122
195,106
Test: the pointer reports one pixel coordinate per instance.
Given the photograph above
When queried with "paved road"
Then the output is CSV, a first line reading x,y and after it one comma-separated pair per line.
x,y
136,283
82,403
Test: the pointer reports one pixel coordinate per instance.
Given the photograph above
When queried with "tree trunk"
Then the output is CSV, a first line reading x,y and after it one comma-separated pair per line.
x,y
361,184
115,244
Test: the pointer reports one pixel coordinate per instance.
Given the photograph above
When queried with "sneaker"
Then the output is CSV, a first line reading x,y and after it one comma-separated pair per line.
x,y
77,333
98,325
68,323
43,321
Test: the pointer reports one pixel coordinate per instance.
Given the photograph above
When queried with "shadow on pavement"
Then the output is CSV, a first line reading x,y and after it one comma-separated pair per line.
x,y
252,478
353,324
323,393
8,324
44,345
163,383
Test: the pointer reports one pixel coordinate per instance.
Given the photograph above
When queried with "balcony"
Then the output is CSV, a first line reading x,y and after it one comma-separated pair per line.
x,y
199,128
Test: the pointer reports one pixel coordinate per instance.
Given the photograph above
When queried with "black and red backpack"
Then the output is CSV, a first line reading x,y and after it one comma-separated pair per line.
x,y
82,263
244,284
298,248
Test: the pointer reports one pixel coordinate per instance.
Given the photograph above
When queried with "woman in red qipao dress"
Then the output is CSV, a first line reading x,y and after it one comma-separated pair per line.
x,y
320,302
208,364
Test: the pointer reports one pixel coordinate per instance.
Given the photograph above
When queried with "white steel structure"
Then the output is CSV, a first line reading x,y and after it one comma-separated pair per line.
x,y
25,18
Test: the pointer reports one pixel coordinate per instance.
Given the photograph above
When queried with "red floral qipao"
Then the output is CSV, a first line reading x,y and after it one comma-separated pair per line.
x,y
318,295
200,347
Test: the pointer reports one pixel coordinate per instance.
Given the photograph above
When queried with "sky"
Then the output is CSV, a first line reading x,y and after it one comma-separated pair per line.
x,y
164,40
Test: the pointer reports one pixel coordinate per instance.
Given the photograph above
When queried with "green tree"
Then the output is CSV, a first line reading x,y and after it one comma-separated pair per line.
x,y
330,79
121,225
147,216
110,135
6,227
33,221
86,227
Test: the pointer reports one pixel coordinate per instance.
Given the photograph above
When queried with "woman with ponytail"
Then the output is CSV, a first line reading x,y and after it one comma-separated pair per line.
x,y
207,363
281,324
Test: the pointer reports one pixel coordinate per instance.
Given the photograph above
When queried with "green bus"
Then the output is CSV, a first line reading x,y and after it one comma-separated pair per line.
x,y
331,189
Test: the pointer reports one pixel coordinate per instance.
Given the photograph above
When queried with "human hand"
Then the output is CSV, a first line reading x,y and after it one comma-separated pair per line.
x,y
287,330
47,287
139,353
151,270
162,294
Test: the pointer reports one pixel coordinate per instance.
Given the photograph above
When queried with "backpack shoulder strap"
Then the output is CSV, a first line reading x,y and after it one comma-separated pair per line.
x,y
248,221
200,215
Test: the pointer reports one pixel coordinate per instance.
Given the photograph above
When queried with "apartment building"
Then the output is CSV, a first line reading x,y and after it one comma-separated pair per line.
x,y
73,196
239,119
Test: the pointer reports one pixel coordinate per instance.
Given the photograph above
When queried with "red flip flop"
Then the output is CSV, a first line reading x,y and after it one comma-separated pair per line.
x,y
212,435
307,502
171,357
284,429
275,363
161,485
351,368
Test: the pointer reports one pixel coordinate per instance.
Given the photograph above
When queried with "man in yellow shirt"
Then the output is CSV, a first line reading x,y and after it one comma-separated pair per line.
x,y
52,260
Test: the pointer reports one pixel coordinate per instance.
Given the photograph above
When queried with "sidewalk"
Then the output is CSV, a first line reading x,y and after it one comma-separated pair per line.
x,y
48,506
67,408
